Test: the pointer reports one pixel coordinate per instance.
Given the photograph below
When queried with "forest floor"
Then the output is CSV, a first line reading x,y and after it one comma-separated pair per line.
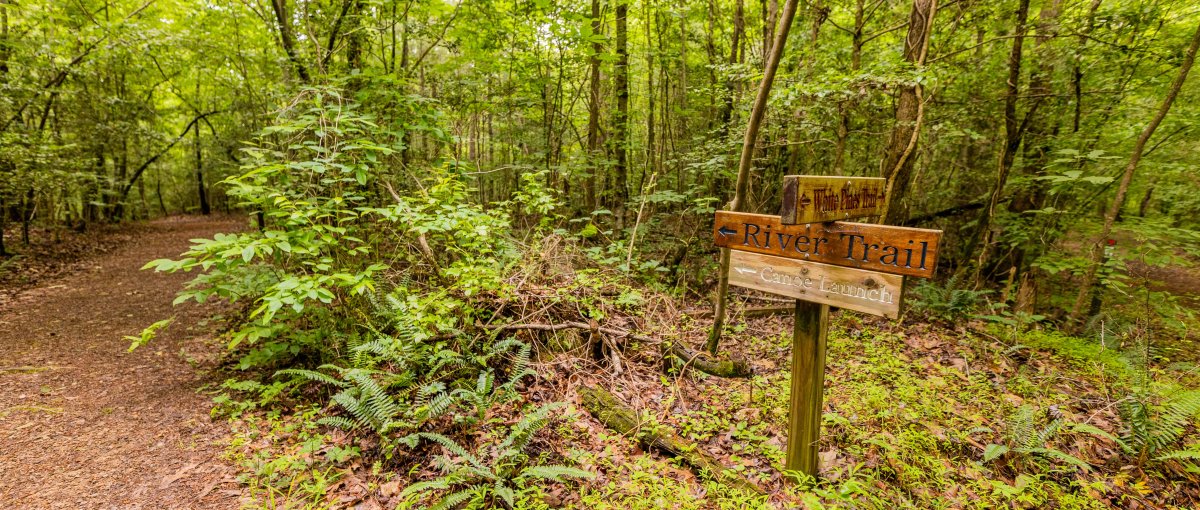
x,y
83,422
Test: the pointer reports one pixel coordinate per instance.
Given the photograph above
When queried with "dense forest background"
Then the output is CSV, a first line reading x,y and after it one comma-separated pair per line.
x,y
436,158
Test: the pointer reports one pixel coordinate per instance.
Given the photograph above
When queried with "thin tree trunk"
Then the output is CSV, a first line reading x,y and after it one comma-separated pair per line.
x,y
205,209
593,129
757,113
1012,141
287,37
897,163
3,224
1089,279
650,131
1077,75
621,118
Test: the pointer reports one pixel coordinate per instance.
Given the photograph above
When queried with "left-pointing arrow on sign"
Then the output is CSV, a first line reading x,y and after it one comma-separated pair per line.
x,y
726,231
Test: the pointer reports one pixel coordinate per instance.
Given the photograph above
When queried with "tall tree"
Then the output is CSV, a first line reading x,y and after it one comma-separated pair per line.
x,y
897,163
287,37
1013,131
757,112
1110,218
620,193
593,122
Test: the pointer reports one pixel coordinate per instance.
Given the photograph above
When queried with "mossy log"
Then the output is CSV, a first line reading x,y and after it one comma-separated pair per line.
x,y
704,363
605,407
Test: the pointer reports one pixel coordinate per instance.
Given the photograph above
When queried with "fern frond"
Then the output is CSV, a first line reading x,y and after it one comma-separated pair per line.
x,y
440,483
555,473
1060,455
504,492
455,448
530,424
340,422
457,498
311,375
1096,431
438,407
1185,455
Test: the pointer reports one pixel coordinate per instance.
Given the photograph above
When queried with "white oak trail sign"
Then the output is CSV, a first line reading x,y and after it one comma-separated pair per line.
x,y
812,198
843,287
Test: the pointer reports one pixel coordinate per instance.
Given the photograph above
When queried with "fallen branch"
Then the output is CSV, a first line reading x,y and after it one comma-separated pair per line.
x,y
700,361
692,358
605,407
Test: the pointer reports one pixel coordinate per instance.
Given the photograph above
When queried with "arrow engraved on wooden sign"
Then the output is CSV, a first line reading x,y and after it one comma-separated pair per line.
x,y
853,289
726,231
804,201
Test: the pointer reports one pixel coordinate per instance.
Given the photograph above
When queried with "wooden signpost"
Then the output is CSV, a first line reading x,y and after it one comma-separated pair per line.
x,y
857,266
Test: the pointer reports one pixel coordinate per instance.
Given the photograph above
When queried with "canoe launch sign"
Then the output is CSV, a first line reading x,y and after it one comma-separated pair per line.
x,y
843,287
896,250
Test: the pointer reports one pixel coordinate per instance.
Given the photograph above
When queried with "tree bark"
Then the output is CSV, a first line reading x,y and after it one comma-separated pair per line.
x,y
287,38
1089,279
757,112
593,129
897,163
620,192
205,209
1012,141
3,223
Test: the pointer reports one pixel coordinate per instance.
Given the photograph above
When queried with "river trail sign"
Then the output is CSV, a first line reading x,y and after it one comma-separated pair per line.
x,y
897,250
843,287
811,198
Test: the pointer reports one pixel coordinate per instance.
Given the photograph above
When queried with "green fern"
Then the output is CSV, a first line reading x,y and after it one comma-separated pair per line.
x,y
1027,443
313,376
1153,430
468,478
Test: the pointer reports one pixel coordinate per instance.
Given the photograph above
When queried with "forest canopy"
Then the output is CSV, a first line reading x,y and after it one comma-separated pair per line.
x,y
428,184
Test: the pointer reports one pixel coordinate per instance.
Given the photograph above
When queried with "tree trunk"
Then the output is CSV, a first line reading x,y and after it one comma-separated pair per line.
x,y
1037,140
739,25
1089,279
897,163
205,209
593,129
621,117
1012,141
770,10
650,93
743,177
287,37
26,215
3,223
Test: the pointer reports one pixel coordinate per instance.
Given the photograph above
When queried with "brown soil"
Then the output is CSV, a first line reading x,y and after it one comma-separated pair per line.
x,y
83,423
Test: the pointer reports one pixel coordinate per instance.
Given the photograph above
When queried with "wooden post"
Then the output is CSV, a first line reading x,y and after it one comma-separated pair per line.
x,y
808,386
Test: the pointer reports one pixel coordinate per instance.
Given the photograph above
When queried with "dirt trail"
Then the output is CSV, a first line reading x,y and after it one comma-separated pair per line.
x,y
83,424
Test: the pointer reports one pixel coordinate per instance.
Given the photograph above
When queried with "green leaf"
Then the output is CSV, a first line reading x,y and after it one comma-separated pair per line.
x,y
993,452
